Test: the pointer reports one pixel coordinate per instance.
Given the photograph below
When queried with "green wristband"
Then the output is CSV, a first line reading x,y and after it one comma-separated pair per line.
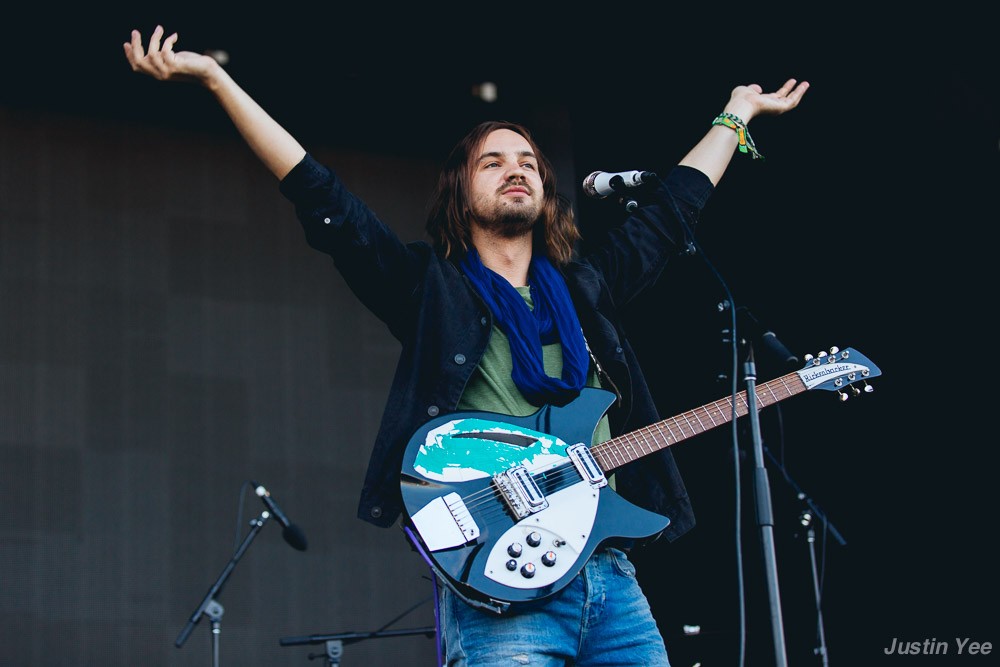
x,y
735,123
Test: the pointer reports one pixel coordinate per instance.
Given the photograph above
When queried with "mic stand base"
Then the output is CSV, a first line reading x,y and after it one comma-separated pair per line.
x,y
335,642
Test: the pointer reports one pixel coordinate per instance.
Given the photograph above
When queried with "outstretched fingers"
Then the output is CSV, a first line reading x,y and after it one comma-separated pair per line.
x,y
155,55
165,61
154,40
798,92
786,88
134,51
787,97
168,43
157,59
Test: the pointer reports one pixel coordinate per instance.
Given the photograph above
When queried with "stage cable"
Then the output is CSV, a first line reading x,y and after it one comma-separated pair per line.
x,y
692,247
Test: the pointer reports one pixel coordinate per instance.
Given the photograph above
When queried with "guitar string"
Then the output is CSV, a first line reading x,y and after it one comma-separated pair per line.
x,y
618,445
561,472
617,448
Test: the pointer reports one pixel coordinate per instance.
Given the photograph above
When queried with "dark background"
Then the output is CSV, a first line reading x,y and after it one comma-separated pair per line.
x,y
869,225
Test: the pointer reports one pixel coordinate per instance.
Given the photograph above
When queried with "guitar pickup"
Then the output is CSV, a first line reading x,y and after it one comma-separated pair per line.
x,y
519,490
586,465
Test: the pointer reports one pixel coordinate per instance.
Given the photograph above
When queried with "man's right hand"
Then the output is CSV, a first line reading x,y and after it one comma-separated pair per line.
x,y
270,142
160,61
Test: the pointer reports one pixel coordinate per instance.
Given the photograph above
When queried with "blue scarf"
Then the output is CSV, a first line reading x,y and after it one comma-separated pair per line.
x,y
552,320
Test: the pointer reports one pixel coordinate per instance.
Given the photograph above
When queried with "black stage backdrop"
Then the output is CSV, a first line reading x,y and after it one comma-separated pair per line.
x,y
167,335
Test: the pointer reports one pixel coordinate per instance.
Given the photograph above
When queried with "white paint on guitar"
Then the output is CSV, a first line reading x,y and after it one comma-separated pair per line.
x,y
563,527
445,522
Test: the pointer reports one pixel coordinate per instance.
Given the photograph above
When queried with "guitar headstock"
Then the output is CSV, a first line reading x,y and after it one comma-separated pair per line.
x,y
837,370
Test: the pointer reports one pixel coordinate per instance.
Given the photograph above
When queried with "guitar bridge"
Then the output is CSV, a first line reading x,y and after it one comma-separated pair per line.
x,y
520,492
586,465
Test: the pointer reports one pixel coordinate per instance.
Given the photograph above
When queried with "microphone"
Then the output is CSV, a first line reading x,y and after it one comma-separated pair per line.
x,y
777,348
292,533
600,184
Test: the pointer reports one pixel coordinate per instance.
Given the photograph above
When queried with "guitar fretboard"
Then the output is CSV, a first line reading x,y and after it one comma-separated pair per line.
x,y
629,447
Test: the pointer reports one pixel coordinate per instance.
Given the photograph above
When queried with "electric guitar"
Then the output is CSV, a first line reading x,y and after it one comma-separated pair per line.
x,y
507,510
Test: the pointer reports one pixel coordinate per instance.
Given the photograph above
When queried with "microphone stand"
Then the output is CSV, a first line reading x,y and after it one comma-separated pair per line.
x,y
806,518
209,606
765,517
821,649
335,642
801,495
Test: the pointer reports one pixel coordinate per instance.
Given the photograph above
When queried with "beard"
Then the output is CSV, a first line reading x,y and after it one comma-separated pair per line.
x,y
506,219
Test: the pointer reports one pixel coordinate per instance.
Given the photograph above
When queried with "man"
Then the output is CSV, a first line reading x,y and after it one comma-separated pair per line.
x,y
496,315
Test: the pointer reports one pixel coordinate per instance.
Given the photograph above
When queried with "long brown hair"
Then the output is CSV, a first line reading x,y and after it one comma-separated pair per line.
x,y
449,219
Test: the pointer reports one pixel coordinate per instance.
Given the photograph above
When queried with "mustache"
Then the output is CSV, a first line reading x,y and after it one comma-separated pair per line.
x,y
510,186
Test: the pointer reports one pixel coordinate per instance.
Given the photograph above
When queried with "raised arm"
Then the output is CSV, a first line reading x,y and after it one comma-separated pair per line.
x,y
276,148
711,155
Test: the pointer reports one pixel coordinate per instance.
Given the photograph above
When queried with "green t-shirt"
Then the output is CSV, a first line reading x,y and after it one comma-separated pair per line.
x,y
491,387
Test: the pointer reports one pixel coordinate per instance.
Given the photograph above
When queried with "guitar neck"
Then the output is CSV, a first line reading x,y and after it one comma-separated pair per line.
x,y
629,447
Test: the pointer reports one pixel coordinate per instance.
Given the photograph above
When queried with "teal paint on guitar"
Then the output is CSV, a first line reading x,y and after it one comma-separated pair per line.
x,y
449,454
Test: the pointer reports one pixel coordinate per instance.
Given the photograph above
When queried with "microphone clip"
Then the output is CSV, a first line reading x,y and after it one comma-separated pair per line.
x,y
629,203
629,189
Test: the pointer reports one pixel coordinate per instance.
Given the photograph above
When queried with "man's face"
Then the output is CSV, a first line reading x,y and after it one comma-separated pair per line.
x,y
506,186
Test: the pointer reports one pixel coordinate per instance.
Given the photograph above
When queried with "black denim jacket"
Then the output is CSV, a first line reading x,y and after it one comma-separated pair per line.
x,y
443,325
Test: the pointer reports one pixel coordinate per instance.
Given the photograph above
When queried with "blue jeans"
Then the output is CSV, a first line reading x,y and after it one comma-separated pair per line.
x,y
600,618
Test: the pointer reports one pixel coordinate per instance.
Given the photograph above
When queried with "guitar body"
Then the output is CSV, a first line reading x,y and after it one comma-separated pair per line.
x,y
509,509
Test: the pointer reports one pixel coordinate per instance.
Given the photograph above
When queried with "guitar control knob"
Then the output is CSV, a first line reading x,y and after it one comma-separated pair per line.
x,y
514,550
512,565
533,539
549,558
528,570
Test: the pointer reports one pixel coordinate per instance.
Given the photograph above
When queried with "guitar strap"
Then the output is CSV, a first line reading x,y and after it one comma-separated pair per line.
x,y
601,373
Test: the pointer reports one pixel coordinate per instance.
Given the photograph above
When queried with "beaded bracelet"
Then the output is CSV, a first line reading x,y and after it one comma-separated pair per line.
x,y
736,123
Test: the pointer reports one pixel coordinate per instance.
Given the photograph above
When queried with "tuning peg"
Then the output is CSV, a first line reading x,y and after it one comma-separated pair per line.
x,y
821,354
807,357
855,390
843,396
868,388
834,350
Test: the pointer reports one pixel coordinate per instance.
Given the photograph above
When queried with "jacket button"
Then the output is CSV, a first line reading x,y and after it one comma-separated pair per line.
x,y
326,221
483,321
376,512
433,411
618,349
459,359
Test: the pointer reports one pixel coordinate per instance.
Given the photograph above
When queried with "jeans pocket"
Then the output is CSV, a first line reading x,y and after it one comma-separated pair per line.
x,y
622,563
